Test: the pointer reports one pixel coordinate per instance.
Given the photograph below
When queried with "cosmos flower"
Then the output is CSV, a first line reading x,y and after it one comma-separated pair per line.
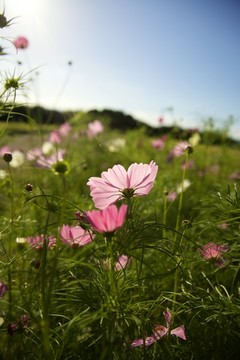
x,y
159,331
122,262
65,129
213,252
107,220
117,183
21,42
37,241
94,128
75,236
159,144
18,159
178,150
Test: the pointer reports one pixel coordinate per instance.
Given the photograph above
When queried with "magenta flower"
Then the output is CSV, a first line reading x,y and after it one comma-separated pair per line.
x,y
117,183
160,331
122,262
75,236
21,42
178,150
94,128
107,220
213,252
37,241
3,289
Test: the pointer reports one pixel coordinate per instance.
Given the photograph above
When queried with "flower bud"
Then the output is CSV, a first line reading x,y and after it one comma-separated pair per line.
x,y
7,157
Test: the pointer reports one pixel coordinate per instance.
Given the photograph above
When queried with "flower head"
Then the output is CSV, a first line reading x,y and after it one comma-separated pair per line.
x,y
213,252
37,242
21,42
118,183
122,262
159,144
94,128
75,236
159,331
107,220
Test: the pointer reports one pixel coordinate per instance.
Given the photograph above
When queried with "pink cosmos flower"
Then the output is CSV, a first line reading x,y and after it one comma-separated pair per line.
x,y
55,137
5,149
107,220
212,251
122,262
65,129
172,196
160,331
178,150
21,42
117,183
75,236
37,241
159,144
94,128
3,289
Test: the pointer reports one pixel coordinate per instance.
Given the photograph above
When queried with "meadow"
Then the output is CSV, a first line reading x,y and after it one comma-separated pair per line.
x,y
116,244
158,280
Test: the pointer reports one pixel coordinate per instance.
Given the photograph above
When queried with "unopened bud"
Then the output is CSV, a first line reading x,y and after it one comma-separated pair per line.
x,y
7,157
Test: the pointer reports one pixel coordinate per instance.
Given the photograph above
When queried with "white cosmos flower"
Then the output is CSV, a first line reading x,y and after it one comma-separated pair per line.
x,y
18,159
184,186
3,174
48,148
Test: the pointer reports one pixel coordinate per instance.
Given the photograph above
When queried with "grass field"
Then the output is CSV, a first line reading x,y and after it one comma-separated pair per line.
x,y
160,281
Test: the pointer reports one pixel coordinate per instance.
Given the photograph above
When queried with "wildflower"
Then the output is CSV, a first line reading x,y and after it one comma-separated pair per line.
x,y
159,144
65,129
48,148
160,331
7,157
94,128
3,289
12,328
3,174
213,252
37,242
171,196
75,236
195,139
116,145
188,165
122,262
5,149
55,137
107,220
161,120
178,150
21,42
182,187
117,183
18,159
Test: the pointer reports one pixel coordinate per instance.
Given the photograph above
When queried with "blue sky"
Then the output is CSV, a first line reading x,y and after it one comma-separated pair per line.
x,y
138,56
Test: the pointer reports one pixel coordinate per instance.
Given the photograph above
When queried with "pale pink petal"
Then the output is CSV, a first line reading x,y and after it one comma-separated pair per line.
x,y
168,316
117,177
144,342
160,331
180,332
